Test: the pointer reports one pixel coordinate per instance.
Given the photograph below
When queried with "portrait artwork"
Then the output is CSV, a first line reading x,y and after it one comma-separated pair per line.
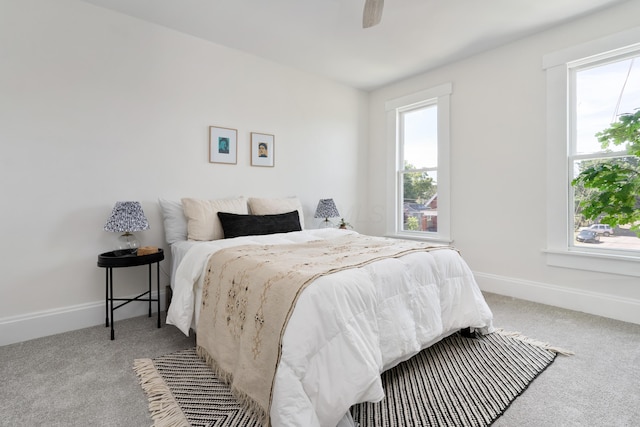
x,y
262,149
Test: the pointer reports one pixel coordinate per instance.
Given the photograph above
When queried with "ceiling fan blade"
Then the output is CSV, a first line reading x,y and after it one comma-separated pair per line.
x,y
372,13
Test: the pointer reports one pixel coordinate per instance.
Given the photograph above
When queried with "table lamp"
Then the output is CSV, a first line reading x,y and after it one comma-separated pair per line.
x,y
127,217
326,209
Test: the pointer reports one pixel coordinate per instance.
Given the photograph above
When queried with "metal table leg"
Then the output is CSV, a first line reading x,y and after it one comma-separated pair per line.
x,y
113,335
149,290
158,290
106,298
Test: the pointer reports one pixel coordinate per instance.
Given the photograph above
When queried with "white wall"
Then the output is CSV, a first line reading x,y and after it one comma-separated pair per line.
x,y
498,151
97,107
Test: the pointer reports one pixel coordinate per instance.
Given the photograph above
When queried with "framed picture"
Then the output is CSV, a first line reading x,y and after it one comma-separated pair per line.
x,y
262,149
223,145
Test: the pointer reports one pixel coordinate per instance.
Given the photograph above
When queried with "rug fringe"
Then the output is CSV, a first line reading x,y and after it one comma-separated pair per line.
x,y
542,344
247,402
164,409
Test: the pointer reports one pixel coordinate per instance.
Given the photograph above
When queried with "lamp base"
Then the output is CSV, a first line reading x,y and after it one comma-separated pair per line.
x,y
127,243
326,223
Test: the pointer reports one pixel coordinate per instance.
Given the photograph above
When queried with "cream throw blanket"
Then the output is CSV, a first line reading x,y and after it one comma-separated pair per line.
x,y
249,294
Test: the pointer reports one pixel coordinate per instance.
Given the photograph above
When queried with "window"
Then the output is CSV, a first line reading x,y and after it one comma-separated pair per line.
x,y
588,87
603,90
419,134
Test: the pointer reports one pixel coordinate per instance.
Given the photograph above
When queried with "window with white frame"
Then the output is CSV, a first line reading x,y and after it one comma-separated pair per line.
x,y
589,88
419,134
602,91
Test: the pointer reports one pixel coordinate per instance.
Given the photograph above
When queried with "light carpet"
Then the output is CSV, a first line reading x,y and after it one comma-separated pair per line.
x,y
459,381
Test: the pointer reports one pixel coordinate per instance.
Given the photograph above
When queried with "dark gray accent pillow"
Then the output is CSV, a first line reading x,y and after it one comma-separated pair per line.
x,y
235,225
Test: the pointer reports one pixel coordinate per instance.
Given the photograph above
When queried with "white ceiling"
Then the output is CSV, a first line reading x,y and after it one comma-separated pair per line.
x,y
326,36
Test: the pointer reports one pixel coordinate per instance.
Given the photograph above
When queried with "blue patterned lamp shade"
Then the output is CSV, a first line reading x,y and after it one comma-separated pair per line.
x,y
326,209
127,217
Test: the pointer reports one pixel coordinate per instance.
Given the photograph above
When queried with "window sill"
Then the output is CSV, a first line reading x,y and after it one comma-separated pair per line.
x,y
603,263
421,238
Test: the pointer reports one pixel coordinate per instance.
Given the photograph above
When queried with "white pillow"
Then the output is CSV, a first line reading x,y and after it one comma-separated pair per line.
x,y
175,223
202,216
270,206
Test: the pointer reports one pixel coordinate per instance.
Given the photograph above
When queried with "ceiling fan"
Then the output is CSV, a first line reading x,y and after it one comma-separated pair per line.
x,y
372,13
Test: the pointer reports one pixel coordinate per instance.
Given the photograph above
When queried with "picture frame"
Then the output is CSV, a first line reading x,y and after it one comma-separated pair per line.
x,y
262,149
223,145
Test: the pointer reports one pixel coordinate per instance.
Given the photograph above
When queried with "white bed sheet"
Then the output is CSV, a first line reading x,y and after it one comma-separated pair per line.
x,y
349,326
178,250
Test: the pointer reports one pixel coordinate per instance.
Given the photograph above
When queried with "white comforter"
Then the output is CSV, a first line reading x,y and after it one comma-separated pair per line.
x,y
349,326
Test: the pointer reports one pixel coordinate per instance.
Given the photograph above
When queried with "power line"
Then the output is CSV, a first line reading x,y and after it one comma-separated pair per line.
x,y
615,113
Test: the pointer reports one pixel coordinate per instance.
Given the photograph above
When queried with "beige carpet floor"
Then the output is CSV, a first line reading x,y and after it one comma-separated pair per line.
x,y
81,378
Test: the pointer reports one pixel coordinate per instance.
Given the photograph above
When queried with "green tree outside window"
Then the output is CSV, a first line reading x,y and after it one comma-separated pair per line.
x,y
609,189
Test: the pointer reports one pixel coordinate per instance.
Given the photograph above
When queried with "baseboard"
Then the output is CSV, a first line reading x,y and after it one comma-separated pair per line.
x,y
599,304
36,325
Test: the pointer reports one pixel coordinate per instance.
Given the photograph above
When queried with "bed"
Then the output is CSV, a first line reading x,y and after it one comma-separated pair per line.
x,y
348,325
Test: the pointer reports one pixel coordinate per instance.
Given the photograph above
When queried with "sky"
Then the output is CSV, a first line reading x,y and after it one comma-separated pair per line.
x,y
602,93
421,137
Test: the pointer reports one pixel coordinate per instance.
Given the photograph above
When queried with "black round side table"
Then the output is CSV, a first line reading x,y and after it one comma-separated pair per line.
x,y
119,259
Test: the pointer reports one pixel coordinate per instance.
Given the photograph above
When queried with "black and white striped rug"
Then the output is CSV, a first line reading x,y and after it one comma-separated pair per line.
x,y
456,382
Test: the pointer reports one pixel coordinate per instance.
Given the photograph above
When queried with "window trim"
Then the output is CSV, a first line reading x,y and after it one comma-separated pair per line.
x,y
439,96
558,67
